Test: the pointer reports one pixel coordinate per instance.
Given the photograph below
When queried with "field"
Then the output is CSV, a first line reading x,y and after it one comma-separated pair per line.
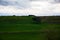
x,y
22,28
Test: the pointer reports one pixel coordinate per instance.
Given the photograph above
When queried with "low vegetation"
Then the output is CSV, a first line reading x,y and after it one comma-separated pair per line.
x,y
26,28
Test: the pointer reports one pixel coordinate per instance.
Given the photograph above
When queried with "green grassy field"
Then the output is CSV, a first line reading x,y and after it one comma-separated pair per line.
x,y
24,36
26,27
23,29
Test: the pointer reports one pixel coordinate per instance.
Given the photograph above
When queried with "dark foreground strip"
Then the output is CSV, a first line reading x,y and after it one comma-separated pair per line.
x,y
22,32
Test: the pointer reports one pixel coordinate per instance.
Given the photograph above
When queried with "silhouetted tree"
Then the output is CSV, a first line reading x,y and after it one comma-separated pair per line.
x,y
36,20
13,15
31,15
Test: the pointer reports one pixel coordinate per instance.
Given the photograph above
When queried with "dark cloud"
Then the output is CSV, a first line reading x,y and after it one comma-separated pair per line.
x,y
34,0
37,0
53,1
17,3
5,3
57,1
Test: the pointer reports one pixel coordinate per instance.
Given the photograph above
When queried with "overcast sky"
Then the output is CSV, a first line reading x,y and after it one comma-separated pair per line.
x,y
27,7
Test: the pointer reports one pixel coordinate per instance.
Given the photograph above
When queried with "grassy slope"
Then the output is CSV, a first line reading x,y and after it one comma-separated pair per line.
x,y
24,36
16,19
26,27
28,31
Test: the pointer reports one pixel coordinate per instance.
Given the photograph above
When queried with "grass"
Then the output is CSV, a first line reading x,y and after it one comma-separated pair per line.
x,y
19,27
24,36
22,28
26,27
25,31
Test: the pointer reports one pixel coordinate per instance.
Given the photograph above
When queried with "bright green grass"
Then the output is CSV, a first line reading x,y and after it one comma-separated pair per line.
x,y
26,27
15,19
19,27
25,31
24,36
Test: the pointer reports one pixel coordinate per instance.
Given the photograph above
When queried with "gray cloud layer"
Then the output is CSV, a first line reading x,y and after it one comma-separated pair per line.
x,y
6,3
57,1
52,1
18,3
23,3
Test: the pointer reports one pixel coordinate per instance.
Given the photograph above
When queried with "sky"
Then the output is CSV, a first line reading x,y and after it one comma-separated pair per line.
x,y
30,7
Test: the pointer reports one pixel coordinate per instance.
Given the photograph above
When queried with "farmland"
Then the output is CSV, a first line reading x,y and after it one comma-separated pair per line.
x,y
23,28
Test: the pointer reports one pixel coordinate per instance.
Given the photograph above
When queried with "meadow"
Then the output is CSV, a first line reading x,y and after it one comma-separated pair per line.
x,y
23,28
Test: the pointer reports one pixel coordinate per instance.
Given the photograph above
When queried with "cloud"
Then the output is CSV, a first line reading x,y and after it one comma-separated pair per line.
x,y
57,1
44,11
51,1
54,1
6,2
26,7
17,3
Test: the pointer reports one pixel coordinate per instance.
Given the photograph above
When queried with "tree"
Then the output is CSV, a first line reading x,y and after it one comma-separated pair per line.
x,y
36,20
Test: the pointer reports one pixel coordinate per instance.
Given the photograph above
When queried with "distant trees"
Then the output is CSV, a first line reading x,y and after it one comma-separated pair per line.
x,y
36,20
14,15
31,15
